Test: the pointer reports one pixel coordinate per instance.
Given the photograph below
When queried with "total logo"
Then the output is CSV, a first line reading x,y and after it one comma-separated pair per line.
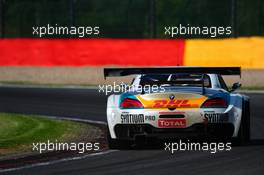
x,y
172,123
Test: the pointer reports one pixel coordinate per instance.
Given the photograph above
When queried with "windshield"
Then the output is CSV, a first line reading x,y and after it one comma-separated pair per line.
x,y
179,79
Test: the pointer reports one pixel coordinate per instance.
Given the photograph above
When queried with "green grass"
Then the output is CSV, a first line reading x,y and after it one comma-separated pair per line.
x,y
18,132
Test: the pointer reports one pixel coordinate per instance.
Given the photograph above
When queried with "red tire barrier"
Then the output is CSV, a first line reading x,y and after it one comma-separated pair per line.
x,y
90,52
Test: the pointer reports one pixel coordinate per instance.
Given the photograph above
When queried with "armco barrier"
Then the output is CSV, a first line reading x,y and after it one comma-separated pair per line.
x,y
90,52
245,52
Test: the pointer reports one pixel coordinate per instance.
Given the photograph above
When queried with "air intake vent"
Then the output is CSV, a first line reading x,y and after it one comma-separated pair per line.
x,y
172,116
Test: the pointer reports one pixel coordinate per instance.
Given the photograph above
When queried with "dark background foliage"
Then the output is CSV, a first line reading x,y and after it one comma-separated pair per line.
x,y
131,18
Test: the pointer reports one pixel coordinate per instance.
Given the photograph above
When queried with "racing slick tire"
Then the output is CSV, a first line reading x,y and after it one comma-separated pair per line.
x,y
117,143
244,130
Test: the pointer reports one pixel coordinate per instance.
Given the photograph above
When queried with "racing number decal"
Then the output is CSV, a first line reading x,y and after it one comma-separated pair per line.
x,y
174,104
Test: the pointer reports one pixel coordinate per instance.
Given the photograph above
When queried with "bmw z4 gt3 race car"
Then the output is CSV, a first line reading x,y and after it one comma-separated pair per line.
x,y
177,102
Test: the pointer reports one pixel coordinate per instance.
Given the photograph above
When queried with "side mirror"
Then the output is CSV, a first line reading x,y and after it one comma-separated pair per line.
x,y
235,86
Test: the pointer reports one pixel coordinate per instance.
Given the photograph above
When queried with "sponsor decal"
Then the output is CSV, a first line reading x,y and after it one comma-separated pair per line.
x,y
213,117
150,117
127,118
174,104
172,123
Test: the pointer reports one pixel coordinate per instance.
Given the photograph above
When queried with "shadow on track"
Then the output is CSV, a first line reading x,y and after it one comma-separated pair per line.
x,y
256,142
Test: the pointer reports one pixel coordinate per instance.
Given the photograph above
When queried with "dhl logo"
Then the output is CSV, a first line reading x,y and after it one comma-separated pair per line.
x,y
161,103
174,104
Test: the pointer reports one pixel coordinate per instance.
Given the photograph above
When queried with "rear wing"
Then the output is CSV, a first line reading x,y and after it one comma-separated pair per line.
x,y
114,72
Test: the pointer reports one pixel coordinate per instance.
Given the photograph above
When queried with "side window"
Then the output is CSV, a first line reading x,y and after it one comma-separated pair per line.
x,y
222,82
207,81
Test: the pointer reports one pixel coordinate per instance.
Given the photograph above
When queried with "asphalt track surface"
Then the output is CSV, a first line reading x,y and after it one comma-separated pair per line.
x,y
89,104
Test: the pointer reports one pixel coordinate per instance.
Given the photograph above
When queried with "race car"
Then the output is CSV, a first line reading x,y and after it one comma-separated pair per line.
x,y
176,102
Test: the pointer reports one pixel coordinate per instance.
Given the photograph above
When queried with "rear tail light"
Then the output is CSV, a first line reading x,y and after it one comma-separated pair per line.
x,y
215,103
129,103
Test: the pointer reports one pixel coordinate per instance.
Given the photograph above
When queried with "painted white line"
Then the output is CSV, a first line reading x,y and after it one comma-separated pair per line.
x,y
77,119
57,161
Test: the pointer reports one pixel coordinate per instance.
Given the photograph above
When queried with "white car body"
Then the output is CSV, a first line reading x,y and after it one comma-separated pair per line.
x,y
180,121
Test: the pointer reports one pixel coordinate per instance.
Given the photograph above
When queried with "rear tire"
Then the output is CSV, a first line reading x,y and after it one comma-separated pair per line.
x,y
117,143
244,130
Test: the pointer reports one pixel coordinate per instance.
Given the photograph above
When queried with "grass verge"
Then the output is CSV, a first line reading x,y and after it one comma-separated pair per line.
x,y
18,132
